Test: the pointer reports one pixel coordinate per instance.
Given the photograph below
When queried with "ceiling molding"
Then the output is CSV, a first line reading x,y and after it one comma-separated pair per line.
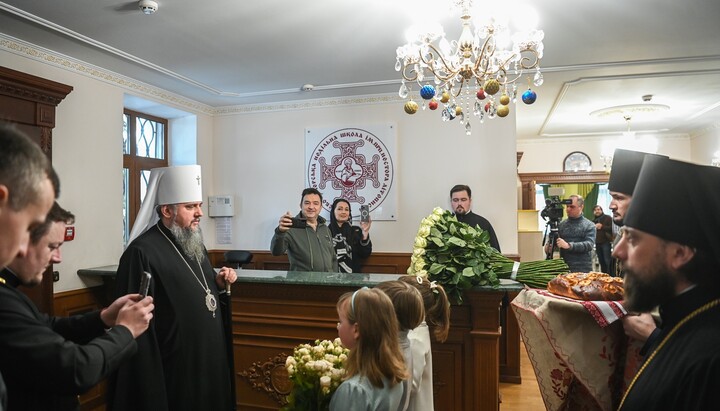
x,y
37,53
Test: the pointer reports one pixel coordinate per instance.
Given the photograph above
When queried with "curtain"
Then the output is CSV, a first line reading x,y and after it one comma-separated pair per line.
x,y
588,191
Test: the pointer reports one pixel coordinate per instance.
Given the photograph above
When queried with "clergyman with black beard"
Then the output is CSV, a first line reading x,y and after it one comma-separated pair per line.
x,y
183,360
674,263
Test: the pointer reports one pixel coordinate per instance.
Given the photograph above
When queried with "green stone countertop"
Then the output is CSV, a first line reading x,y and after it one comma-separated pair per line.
x,y
307,278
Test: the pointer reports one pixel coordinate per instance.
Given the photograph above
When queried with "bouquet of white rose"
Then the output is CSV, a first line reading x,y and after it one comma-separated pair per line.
x,y
459,257
316,372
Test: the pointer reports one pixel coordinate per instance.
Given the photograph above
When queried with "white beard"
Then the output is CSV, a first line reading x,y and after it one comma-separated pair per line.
x,y
190,241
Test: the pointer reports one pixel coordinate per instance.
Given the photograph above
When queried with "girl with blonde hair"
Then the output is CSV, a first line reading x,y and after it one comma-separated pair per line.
x,y
375,365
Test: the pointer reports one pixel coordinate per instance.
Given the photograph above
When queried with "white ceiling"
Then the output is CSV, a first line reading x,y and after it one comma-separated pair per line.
x,y
232,52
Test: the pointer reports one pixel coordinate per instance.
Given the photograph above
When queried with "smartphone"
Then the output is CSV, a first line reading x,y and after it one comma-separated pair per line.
x,y
364,214
144,283
298,222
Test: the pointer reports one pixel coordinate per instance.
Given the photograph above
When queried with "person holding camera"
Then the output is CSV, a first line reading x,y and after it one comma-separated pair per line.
x,y
306,238
352,243
576,237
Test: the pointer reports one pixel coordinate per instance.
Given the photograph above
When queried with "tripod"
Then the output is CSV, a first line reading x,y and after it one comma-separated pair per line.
x,y
551,235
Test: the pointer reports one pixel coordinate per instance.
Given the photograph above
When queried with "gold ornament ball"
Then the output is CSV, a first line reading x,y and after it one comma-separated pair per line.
x,y
503,111
411,107
491,86
445,97
505,100
458,110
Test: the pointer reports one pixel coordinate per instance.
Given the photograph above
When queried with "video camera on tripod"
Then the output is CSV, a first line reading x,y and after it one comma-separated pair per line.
x,y
553,213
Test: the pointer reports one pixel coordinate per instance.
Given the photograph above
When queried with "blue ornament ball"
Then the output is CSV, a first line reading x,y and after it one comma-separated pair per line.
x,y
427,92
529,97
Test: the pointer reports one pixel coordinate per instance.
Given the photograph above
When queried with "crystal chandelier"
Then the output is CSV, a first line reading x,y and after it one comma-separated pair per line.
x,y
473,74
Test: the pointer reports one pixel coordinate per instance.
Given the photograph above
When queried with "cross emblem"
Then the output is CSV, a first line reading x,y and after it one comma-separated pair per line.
x,y
198,180
349,171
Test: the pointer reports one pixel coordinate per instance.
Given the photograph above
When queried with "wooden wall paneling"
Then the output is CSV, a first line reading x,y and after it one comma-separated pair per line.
x,y
80,302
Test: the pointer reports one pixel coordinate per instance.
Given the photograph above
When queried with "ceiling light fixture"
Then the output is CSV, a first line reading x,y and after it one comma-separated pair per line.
x,y
467,73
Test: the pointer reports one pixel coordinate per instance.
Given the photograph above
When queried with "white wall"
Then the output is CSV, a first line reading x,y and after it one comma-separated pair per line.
x,y
259,158
548,155
705,145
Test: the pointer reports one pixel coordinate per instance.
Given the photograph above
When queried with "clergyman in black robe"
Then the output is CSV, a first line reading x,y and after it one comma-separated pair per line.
x,y
184,359
671,254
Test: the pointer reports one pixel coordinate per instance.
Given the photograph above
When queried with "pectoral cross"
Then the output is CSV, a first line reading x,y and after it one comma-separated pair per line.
x,y
198,179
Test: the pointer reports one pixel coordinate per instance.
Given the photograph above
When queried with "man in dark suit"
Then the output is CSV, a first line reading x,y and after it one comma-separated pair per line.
x,y
48,360
461,200
26,195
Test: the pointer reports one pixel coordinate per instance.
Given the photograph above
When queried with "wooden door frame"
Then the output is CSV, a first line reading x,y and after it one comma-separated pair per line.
x,y
529,180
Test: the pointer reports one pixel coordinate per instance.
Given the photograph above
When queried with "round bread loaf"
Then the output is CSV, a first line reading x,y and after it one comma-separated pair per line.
x,y
587,286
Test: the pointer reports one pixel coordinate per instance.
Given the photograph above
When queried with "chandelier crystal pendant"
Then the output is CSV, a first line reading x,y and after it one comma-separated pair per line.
x,y
473,75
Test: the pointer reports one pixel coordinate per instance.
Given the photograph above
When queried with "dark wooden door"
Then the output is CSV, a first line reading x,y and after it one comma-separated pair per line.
x,y
29,102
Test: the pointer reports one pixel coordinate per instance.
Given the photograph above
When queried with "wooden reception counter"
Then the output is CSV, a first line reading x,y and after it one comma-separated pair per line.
x,y
274,311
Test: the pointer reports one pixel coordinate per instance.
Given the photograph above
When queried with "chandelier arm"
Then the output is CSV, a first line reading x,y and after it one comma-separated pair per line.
x,y
535,59
487,49
412,70
452,72
462,83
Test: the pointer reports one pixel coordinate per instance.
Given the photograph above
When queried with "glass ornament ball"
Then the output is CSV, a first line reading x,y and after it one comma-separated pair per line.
x,y
529,96
445,97
492,86
503,111
481,94
433,104
427,92
411,107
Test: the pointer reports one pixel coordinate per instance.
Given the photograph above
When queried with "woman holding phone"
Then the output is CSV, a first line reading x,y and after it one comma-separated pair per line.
x,y
352,243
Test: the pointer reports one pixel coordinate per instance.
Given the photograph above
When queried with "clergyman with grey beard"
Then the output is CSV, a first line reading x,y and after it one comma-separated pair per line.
x,y
183,360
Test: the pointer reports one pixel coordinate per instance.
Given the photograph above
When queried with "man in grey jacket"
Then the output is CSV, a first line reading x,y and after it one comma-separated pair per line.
x,y
306,238
576,237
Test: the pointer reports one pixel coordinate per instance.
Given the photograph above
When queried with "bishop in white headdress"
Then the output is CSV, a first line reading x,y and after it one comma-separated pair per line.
x,y
188,342
167,185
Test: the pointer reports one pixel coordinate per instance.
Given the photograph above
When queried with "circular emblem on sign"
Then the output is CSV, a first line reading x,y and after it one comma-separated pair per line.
x,y
353,164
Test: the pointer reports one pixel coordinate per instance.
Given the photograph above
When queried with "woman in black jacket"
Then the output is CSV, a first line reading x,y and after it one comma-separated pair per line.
x,y
352,243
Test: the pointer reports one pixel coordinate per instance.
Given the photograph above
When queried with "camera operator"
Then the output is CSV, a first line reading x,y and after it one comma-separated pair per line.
x,y
306,238
576,237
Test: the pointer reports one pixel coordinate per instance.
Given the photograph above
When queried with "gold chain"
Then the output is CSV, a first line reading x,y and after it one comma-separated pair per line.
x,y
689,317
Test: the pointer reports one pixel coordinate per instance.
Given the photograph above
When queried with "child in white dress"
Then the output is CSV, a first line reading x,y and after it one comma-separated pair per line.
x,y
410,313
437,317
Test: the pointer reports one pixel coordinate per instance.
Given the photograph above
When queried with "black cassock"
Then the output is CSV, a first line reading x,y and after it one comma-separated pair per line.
x,y
685,372
182,361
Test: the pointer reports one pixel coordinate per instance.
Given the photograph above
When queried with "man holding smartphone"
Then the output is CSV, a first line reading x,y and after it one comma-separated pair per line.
x,y
306,238
48,361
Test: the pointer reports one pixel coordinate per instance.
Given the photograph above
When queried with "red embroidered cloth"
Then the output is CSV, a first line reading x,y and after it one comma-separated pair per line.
x,y
580,354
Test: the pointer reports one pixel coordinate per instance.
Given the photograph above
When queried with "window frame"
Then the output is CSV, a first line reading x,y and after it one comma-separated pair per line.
x,y
136,164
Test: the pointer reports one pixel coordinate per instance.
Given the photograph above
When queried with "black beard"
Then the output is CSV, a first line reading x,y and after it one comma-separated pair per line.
x,y
190,241
644,295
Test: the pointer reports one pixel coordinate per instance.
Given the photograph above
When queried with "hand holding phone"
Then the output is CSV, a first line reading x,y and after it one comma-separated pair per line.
x,y
364,214
298,222
144,283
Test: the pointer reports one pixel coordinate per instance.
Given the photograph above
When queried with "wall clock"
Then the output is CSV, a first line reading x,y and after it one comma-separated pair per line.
x,y
577,161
